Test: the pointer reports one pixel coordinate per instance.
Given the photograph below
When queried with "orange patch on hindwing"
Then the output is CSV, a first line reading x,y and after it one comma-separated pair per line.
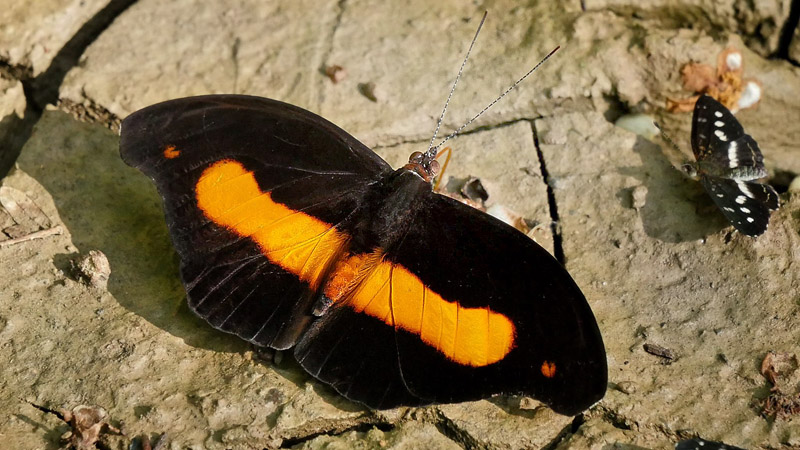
x,y
303,245
469,336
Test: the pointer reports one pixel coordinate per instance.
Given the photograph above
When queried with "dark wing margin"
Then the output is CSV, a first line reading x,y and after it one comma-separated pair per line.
x,y
746,204
300,159
357,355
557,357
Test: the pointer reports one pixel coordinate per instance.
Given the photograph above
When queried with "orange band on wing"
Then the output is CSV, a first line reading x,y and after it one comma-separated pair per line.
x,y
229,195
469,336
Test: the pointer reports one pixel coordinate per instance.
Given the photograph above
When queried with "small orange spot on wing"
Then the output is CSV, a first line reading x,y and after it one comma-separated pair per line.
x,y
170,152
548,369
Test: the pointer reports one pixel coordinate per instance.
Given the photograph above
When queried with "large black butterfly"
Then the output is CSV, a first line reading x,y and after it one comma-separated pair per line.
x,y
728,162
293,234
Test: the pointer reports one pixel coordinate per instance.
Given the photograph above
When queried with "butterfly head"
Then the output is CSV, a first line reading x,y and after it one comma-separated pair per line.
x,y
426,168
690,170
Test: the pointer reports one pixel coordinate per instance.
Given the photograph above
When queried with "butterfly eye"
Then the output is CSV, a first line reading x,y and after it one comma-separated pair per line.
x,y
434,168
415,158
689,169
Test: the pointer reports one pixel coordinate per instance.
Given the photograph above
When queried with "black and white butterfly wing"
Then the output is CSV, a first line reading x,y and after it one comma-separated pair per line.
x,y
720,144
702,444
745,204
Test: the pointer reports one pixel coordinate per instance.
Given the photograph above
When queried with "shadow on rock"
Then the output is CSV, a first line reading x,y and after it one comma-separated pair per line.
x,y
675,208
109,206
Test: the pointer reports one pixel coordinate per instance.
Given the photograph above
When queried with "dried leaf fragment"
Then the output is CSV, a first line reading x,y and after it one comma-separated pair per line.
x,y
87,425
336,73
725,83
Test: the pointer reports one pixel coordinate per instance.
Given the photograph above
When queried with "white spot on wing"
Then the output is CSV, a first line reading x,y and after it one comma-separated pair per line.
x,y
744,210
733,160
719,123
740,199
750,219
728,209
717,114
720,195
701,119
743,187
721,135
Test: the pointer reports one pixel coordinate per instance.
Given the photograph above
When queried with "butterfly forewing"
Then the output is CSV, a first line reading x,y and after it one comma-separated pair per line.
x,y
291,157
713,128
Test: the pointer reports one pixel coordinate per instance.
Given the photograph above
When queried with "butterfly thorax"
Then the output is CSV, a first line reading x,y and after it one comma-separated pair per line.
x,y
385,217
390,205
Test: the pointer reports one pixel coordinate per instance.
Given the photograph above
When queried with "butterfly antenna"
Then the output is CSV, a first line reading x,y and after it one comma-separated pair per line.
x,y
458,77
668,139
511,88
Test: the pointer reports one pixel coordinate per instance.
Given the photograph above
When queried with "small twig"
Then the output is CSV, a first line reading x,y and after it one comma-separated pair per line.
x,y
657,350
29,237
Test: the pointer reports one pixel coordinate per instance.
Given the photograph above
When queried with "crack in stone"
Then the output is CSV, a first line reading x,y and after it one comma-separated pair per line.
x,y
326,56
451,431
571,428
555,228
339,429
625,423
787,34
237,43
43,89
392,143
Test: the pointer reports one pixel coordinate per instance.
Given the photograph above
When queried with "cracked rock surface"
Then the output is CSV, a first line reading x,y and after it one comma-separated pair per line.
x,y
656,260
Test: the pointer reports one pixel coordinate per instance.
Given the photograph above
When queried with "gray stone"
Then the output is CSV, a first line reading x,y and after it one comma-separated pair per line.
x,y
12,114
32,33
190,47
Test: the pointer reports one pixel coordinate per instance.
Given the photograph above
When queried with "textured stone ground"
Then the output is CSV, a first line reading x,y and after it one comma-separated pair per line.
x,y
656,260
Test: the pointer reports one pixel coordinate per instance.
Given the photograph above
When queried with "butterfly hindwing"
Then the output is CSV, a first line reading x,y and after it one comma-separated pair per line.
x,y
522,325
745,204
470,307
237,174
